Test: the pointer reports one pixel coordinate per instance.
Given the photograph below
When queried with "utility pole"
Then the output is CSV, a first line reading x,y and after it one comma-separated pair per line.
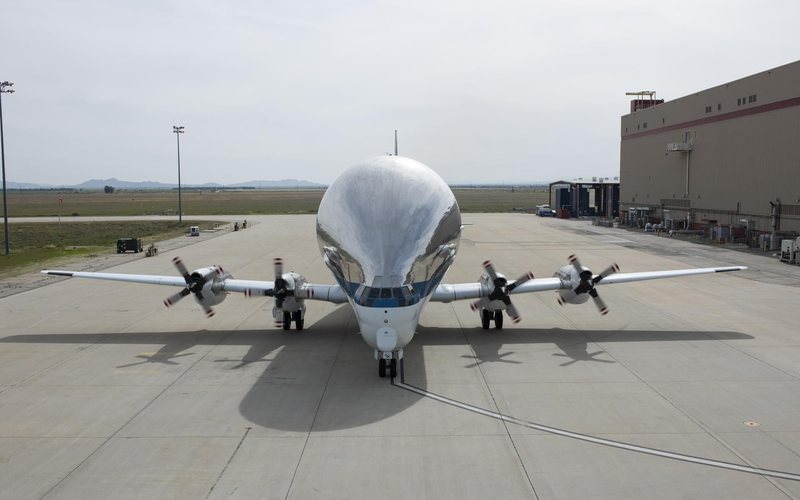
x,y
178,131
4,90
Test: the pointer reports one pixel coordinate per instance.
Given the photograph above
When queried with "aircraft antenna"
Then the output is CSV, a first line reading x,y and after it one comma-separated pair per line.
x,y
395,142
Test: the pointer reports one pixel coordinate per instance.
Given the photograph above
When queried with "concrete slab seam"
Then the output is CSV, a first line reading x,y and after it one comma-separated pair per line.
x,y
494,402
606,442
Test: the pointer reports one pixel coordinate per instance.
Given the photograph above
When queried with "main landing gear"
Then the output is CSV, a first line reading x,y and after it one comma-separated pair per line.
x,y
487,316
296,316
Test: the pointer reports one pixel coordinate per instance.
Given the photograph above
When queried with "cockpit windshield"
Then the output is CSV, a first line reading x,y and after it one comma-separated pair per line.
x,y
386,297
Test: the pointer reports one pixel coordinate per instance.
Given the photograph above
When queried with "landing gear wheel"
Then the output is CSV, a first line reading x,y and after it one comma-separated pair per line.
x,y
382,368
287,320
486,317
393,368
297,316
498,319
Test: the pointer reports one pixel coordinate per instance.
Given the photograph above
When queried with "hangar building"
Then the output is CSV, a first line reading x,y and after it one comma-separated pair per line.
x,y
728,156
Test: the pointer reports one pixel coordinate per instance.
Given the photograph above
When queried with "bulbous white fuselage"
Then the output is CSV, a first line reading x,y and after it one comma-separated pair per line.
x,y
388,230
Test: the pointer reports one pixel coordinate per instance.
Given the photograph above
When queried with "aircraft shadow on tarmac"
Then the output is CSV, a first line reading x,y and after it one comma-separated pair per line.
x,y
327,375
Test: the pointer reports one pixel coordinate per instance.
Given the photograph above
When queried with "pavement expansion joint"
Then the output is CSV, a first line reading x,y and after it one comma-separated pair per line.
x,y
597,440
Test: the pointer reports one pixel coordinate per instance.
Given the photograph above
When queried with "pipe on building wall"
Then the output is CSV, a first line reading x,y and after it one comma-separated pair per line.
x,y
688,154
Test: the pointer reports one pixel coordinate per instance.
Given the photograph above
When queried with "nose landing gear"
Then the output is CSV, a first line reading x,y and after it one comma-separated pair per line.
x,y
387,361
391,365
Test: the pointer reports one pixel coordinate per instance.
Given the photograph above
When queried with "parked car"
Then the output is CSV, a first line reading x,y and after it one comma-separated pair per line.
x,y
545,211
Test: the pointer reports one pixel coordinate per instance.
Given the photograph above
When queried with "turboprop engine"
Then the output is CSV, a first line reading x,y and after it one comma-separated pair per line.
x,y
497,300
288,306
204,283
582,283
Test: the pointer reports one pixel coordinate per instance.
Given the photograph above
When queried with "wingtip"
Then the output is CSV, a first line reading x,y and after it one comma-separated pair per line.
x,y
52,272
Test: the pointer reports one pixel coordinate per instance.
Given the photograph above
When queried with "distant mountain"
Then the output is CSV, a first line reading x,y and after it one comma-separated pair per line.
x,y
99,184
285,183
118,184
26,185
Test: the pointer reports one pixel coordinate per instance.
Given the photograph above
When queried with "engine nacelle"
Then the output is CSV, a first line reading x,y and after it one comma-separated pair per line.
x,y
292,303
211,292
570,280
488,284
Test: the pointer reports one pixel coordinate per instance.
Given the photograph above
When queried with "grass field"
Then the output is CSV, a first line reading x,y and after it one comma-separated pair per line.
x,y
94,203
37,243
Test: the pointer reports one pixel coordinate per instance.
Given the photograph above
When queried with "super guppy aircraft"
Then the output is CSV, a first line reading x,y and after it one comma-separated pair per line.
x,y
388,230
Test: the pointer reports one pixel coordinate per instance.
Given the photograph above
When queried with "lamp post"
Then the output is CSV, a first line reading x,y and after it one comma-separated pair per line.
x,y
178,131
4,90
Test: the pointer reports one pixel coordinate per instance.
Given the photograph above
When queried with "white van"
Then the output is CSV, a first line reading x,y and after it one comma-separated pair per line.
x,y
194,231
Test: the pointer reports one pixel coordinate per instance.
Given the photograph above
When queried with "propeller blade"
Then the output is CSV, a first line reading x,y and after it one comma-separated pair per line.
x,y
613,268
522,279
512,312
278,268
573,259
478,304
182,269
599,302
487,265
278,316
173,299
208,310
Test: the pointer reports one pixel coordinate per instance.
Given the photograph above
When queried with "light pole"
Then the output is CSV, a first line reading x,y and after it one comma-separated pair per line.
x,y
4,90
178,131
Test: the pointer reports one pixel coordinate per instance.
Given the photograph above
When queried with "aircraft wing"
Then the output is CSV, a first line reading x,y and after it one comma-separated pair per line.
x,y
327,293
465,291
150,279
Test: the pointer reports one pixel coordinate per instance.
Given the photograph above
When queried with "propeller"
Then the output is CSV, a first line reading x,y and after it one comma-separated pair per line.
x,y
194,284
501,290
588,283
279,291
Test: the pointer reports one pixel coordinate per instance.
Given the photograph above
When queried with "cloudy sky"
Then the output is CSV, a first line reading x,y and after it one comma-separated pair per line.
x,y
501,91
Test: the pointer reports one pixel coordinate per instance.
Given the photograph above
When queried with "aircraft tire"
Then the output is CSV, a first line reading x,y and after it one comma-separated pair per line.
x,y
297,317
382,368
393,368
486,317
287,321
